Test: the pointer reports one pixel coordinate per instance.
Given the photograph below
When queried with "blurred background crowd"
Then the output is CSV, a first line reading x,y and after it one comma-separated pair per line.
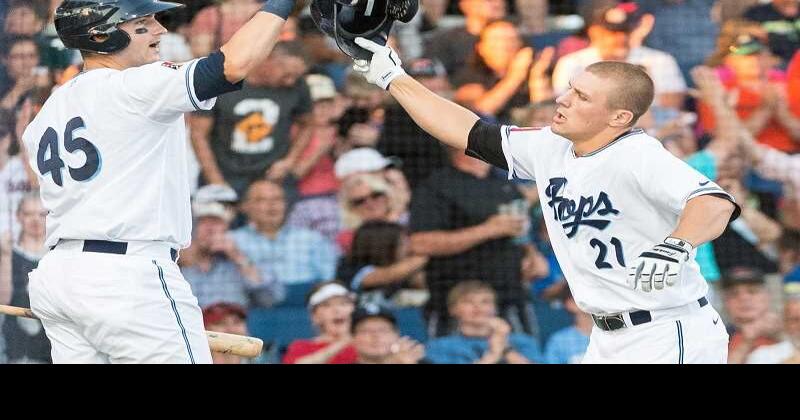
x,y
329,225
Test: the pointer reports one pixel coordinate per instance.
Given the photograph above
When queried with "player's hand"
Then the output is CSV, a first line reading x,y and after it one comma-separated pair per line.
x,y
384,67
505,225
660,266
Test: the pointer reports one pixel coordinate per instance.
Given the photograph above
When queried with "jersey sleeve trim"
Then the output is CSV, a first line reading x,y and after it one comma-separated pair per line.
x,y
717,192
196,102
505,132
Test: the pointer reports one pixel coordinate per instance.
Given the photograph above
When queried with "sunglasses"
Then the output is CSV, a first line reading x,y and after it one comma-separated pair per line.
x,y
357,202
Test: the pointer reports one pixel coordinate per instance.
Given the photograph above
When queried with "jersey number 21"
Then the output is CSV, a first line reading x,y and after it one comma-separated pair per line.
x,y
55,166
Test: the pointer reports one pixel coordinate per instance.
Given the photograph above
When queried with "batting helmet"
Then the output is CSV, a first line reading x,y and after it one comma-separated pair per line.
x,y
92,25
346,20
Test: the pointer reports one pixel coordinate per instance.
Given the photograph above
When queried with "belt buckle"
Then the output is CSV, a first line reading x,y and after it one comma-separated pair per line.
x,y
602,321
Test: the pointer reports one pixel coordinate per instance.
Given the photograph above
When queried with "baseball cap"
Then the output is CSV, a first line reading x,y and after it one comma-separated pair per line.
x,y
362,159
426,67
326,292
741,275
371,310
321,87
746,44
216,312
212,209
611,14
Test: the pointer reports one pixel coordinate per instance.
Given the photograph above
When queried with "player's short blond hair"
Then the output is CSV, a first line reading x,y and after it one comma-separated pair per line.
x,y
633,88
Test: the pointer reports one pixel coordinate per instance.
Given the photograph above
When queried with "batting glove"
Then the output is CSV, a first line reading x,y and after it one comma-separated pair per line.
x,y
384,66
659,266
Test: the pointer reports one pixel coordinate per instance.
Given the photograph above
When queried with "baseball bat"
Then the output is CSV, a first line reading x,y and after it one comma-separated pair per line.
x,y
238,345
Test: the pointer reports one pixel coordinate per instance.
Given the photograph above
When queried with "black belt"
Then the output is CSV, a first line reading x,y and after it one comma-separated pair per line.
x,y
109,247
615,322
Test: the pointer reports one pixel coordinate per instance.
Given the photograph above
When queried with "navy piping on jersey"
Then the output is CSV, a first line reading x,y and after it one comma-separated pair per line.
x,y
189,85
624,135
680,343
708,189
174,310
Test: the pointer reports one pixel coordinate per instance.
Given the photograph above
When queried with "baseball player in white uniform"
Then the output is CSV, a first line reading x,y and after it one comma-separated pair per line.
x,y
109,150
623,215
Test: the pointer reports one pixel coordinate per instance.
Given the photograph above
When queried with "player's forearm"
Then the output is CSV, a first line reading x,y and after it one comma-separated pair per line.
x,y
444,243
253,42
704,218
444,120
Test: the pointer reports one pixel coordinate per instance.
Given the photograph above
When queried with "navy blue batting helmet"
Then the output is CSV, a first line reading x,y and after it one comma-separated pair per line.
x,y
92,25
346,20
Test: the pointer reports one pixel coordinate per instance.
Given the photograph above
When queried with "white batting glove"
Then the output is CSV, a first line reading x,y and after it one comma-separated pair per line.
x,y
384,66
660,266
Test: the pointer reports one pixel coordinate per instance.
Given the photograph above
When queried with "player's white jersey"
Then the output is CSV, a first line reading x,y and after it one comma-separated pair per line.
x,y
109,148
604,209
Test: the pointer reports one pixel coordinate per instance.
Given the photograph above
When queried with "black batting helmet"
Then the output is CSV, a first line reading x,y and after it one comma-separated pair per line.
x,y
346,20
92,25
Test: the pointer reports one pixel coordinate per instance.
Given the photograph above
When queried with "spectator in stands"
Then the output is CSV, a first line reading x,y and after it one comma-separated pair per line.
x,y
453,46
481,336
14,181
27,80
317,208
752,323
25,338
757,91
366,160
364,197
610,29
780,19
35,20
380,263
377,339
455,220
290,255
502,73
214,25
788,349
215,267
775,165
331,306
568,345
251,128
748,240
403,138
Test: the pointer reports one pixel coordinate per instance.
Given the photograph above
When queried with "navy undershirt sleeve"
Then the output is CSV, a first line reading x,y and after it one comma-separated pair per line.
x,y
485,143
209,77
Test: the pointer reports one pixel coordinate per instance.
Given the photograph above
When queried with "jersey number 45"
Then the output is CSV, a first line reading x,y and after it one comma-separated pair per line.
x,y
48,159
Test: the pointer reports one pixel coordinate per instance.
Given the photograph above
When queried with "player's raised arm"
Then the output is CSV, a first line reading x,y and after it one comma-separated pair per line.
x,y
443,119
252,43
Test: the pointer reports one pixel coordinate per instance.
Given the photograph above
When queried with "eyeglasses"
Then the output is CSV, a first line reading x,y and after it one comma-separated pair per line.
x,y
357,202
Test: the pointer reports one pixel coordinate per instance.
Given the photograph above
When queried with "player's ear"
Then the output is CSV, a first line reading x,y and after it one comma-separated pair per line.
x,y
621,118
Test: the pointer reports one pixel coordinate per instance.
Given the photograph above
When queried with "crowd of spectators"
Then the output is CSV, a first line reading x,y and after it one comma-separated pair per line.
x,y
313,190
